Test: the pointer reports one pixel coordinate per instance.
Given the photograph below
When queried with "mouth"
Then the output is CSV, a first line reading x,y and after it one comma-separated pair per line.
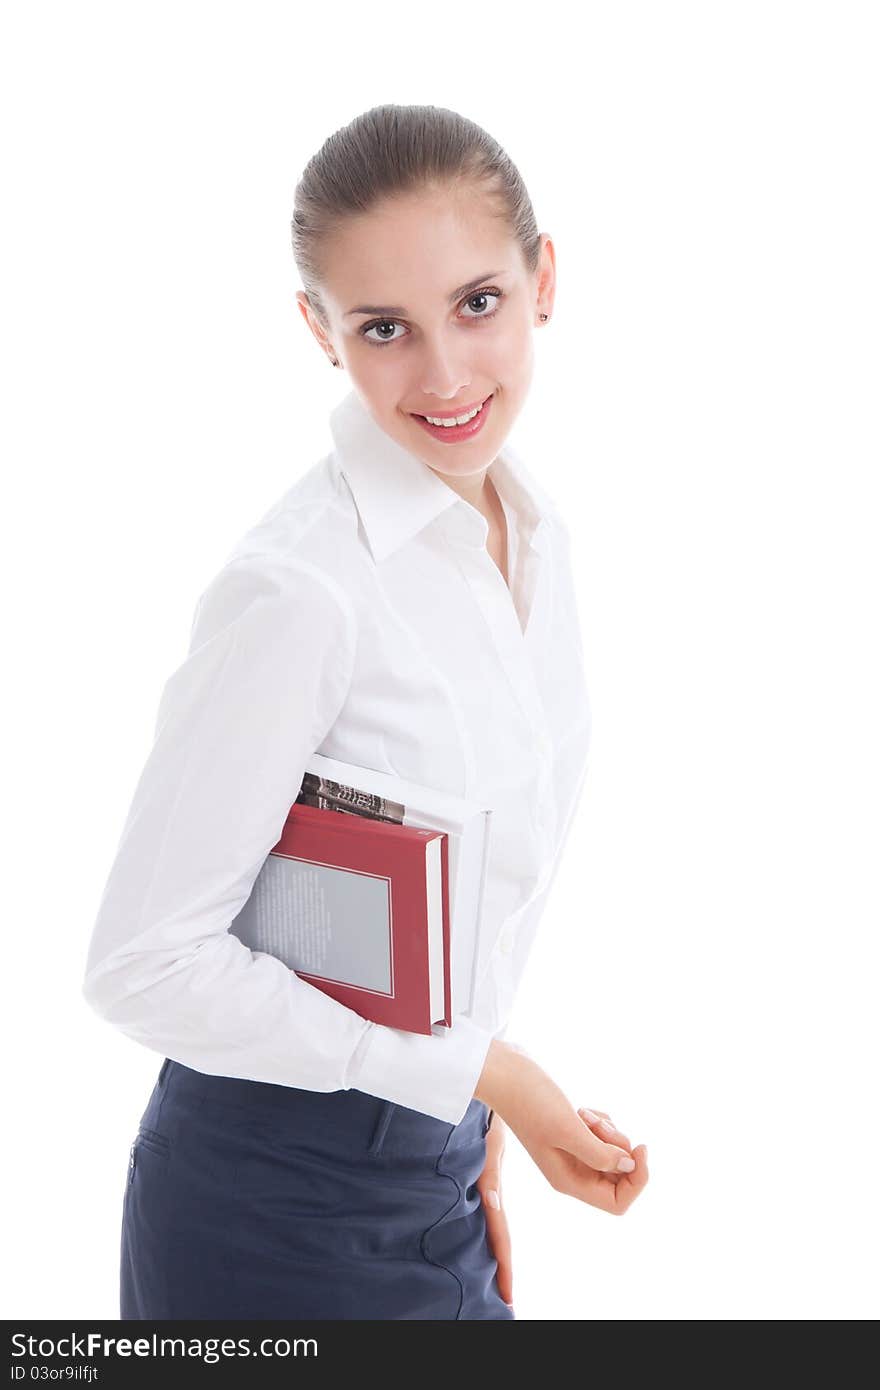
x,y
472,417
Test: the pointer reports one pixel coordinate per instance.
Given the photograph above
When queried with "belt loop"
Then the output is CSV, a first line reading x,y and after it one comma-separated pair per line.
x,y
380,1129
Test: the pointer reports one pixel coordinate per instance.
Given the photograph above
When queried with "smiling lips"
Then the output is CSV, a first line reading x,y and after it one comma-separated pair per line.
x,y
451,414
451,434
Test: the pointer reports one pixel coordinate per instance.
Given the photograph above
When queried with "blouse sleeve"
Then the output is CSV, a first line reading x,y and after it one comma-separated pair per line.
x,y
270,662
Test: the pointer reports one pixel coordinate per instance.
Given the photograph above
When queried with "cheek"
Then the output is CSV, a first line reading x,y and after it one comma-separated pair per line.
x,y
514,362
511,349
378,379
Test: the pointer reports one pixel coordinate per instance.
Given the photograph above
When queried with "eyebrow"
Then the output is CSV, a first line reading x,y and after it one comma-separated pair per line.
x,y
399,309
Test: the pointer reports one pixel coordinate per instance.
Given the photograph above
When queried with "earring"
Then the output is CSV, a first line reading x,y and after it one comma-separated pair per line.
x,y
333,362
543,318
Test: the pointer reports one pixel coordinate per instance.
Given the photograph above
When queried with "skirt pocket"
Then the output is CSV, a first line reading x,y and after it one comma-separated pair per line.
x,y
152,1139
148,1139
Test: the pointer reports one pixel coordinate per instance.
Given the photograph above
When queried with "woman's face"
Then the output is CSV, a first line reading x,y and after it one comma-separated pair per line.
x,y
431,312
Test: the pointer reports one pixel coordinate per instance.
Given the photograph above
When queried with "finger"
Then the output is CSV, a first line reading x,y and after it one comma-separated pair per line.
x,y
605,1127
495,1140
596,1117
611,1192
498,1233
590,1149
629,1185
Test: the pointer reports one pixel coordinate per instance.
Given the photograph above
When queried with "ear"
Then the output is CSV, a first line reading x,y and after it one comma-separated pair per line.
x,y
545,276
314,324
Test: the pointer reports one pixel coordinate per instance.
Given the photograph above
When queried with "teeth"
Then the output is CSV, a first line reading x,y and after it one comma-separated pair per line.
x,y
455,419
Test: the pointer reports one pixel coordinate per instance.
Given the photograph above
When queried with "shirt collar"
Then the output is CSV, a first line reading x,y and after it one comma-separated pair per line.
x,y
397,494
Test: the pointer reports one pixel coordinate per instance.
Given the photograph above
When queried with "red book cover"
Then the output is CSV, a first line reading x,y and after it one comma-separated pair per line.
x,y
362,935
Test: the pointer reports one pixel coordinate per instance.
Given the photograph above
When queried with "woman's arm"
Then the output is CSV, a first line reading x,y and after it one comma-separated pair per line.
x,y
269,667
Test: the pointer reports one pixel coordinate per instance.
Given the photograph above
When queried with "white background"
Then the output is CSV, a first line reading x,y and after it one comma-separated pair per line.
x,y
705,408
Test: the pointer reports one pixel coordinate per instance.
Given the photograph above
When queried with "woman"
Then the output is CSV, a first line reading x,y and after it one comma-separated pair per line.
x,y
406,605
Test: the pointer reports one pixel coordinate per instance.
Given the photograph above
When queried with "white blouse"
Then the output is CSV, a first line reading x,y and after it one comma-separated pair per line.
x,y
363,618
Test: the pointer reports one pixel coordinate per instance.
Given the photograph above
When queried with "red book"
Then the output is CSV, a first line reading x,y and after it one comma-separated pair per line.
x,y
359,908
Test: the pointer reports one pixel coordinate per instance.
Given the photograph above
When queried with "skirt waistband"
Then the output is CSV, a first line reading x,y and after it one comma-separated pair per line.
x,y
364,1122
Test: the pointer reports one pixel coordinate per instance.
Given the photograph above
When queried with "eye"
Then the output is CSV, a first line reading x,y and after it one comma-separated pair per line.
x,y
483,296
383,324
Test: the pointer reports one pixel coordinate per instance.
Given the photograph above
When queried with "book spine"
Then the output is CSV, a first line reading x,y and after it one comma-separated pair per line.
x,y
335,796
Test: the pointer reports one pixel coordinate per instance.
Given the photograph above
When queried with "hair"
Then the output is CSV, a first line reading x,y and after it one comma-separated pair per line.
x,y
393,150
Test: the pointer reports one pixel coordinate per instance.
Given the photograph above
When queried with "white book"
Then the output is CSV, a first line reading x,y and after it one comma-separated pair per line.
x,y
466,823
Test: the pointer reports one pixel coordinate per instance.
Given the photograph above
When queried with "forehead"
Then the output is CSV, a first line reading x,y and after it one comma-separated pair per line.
x,y
417,247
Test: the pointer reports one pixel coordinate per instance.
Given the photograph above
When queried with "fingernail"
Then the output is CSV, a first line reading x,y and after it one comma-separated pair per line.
x,y
589,1115
493,1200
607,1126
626,1164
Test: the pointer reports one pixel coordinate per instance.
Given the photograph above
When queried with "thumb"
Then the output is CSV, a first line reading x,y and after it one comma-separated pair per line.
x,y
605,1158
490,1178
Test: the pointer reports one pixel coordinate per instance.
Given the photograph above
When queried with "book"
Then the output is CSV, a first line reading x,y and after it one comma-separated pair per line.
x,y
380,905
359,907
466,822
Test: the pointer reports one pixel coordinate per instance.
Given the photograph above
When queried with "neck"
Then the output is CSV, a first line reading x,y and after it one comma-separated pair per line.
x,y
474,489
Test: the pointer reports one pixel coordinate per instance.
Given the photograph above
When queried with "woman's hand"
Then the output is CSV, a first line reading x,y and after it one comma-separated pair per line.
x,y
600,1123
489,1188
567,1146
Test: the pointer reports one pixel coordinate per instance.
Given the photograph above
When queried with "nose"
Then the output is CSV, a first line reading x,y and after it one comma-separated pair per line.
x,y
443,371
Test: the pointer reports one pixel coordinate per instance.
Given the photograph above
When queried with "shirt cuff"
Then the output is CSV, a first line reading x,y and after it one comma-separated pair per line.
x,y
435,1074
